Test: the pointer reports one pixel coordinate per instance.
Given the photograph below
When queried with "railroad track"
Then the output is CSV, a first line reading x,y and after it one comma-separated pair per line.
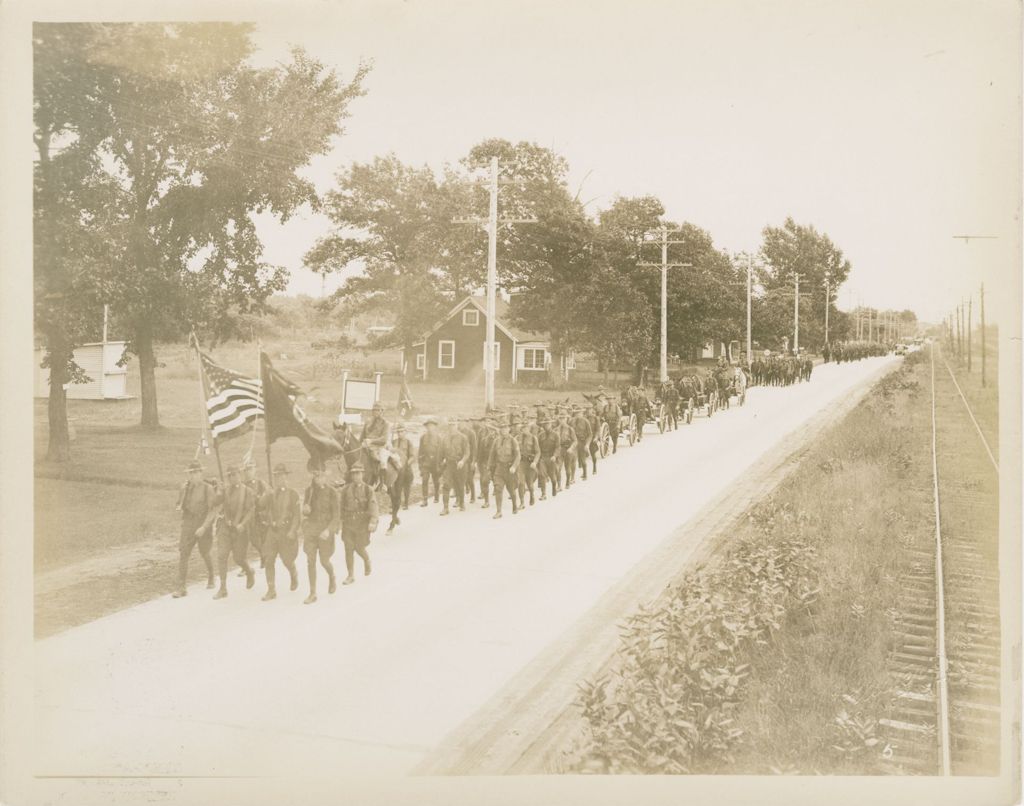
x,y
946,658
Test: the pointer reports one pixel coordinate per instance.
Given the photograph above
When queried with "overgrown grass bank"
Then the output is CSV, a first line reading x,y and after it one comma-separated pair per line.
x,y
773,658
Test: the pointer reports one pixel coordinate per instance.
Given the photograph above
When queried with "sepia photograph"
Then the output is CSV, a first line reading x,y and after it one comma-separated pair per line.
x,y
520,402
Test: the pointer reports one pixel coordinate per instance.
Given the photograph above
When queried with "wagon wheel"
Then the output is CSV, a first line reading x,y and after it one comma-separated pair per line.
x,y
661,417
689,411
632,429
604,440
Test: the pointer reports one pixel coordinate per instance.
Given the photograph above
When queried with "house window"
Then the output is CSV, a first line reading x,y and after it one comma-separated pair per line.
x,y
471,317
446,355
533,358
568,361
497,354
421,360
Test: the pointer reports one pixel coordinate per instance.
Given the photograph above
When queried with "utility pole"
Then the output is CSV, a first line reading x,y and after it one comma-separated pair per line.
x,y
970,307
959,331
983,384
490,224
796,313
664,232
827,303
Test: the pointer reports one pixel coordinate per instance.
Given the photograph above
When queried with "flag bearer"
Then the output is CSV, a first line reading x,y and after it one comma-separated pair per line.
x,y
238,508
197,503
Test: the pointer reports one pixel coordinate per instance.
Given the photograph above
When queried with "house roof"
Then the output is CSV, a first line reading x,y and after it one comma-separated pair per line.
x,y
501,320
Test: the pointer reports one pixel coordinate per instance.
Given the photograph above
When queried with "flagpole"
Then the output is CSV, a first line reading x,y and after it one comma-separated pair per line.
x,y
204,396
266,428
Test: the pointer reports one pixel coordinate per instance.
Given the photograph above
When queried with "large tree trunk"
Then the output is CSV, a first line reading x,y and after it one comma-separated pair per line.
x,y
147,375
59,446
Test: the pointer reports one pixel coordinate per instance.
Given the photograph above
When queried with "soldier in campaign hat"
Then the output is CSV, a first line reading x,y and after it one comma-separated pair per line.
x,y
284,516
359,519
454,456
529,452
485,441
584,436
199,507
400,460
504,464
428,457
321,519
549,446
238,508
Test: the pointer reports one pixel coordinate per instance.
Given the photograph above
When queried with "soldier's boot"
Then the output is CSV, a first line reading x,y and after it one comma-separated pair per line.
x,y
179,593
584,469
250,578
392,525
312,595
332,584
270,594
295,577
348,580
515,507
367,566
223,592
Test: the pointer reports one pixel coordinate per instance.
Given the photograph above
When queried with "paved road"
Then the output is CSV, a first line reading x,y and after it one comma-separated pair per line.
x,y
371,679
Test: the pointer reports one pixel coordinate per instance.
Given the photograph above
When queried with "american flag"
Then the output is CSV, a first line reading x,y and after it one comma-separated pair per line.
x,y
233,401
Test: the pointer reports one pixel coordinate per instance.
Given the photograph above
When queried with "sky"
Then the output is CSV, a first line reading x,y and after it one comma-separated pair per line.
x,y
891,126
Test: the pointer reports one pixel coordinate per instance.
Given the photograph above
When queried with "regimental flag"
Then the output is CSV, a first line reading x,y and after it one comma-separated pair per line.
x,y
285,417
233,401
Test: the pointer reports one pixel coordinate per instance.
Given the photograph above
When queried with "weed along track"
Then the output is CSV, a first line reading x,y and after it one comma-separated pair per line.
x,y
946,656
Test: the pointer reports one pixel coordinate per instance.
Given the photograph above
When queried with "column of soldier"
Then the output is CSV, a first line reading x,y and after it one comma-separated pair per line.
x,y
505,452
854,350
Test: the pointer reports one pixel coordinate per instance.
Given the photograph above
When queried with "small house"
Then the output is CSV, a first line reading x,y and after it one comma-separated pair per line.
x,y
453,350
99,361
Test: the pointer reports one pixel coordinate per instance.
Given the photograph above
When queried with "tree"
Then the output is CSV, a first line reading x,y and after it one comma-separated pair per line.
x,y
72,227
390,221
198,142
799,249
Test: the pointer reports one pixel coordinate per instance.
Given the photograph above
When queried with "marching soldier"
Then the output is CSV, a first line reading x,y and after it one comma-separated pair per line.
x,y
429,458
584,436
567,447
284,513
529,452
549,447
670,396
504,462
321,508
197,503
401,460
238,509
485,441
258,524
595,433
613,416
359,518
467,429
455,457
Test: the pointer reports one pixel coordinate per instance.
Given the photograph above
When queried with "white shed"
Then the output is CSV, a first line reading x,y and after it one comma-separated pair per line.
x,y
107,381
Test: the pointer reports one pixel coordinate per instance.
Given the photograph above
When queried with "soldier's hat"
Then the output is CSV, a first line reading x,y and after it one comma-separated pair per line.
x,y
195,464
356,468
400,428
250,465
280,467
430,421
233,469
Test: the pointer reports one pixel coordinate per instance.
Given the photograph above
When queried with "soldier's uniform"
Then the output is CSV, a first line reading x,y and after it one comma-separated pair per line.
x,y
485,442
670,397
595,434
567,449
468,470
258,524
322,517
550,446
529,452
429,458
197,502
504,461
402,459
284,515
584,436
359,518
374,439
238,508
613,416
455,457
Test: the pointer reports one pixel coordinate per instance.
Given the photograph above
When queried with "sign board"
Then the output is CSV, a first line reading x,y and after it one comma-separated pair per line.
x,y
359,395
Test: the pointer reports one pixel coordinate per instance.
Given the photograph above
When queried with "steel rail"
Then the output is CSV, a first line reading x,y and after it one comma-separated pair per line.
x,y
940,605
